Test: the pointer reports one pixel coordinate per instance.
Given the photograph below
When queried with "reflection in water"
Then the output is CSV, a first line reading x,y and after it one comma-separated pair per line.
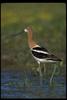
x,y
18,85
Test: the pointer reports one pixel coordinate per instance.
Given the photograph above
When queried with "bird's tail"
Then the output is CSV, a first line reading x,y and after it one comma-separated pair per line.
x,y
54,58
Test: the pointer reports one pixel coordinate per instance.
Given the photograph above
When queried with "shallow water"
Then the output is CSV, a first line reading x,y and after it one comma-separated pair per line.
x,y
16,84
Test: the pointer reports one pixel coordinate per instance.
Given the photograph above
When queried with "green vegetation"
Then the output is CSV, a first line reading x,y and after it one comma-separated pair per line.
x,y
48,21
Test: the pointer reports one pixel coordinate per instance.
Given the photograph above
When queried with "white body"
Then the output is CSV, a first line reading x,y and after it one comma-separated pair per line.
x,y
42,60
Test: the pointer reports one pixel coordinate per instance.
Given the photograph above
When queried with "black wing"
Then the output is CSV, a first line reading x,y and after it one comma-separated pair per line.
x,y
40,52
43,53
39,55
40,48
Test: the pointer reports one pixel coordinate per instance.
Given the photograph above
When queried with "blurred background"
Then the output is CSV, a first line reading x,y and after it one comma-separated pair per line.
x,y
48,21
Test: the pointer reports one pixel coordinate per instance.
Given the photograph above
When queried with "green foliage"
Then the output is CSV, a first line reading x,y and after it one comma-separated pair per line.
x,y
48,21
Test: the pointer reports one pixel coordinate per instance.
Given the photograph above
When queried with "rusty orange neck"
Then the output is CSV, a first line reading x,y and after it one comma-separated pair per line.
x,y
30,40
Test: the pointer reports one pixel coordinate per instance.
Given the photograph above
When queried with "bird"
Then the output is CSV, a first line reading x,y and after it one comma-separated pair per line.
x,y
40,53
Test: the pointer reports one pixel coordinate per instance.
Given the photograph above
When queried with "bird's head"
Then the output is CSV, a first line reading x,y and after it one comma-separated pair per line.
x,y
28,29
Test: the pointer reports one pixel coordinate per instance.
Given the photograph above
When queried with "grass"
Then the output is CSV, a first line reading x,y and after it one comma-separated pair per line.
x,y
48,21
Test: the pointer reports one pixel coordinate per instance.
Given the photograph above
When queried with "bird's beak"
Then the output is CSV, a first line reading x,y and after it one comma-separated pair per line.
x,y
19,33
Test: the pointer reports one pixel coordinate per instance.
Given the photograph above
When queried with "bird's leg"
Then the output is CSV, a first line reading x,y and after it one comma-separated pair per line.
x,y
52,74
25,80
44,69
40,72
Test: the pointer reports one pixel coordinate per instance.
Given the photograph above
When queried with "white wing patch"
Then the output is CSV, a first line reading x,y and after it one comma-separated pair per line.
x,y
40,51
42,60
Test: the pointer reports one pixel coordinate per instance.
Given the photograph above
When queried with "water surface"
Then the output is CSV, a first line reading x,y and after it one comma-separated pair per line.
x,y
17,84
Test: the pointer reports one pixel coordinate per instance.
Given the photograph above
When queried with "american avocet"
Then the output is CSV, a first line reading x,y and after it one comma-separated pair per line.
x,y
39,53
